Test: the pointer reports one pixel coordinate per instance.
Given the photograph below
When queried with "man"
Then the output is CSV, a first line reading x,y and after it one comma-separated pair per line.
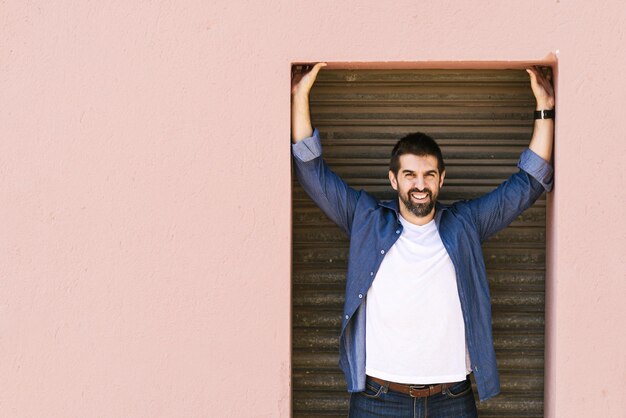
x,y
417,313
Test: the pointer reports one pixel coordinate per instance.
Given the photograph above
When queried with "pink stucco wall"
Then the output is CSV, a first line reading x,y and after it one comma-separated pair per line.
x,y
145,192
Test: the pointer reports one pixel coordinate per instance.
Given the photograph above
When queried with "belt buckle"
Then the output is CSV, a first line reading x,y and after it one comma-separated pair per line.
x,y
415,387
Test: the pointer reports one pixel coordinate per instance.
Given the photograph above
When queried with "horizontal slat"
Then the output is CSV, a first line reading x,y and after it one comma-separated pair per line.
x,y
386,78
398,120
516,111
316,275
317,234
327,300
445,135
495,257
328,340
417,95
306,213
453,191
313,316
319,362
465,173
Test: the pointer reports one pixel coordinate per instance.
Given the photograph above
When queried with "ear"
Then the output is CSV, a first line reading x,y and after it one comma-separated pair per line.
x,y
393,180
441,177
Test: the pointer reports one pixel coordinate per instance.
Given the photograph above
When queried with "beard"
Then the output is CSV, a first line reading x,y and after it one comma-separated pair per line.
x,y
419,209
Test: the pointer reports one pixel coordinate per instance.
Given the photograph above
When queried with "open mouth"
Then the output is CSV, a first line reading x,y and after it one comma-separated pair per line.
x,y
420,197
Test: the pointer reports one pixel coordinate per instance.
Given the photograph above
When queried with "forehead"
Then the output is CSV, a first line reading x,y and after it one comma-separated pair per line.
x,y
418,163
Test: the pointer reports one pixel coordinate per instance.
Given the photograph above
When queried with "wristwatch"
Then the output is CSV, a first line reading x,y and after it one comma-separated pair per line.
x,y
544,114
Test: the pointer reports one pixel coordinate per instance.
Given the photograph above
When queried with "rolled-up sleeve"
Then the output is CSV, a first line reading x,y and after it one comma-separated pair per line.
x,y
309,148
538,168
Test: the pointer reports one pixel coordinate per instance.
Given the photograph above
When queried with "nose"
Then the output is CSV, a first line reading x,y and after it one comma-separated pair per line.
x,y
419,182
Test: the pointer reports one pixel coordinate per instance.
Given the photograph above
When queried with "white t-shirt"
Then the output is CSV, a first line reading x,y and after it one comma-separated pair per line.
x,y
414,325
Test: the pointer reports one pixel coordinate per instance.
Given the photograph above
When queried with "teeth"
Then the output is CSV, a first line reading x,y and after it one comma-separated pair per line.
x,y
419,195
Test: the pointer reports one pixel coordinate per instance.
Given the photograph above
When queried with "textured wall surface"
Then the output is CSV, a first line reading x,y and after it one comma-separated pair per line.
x,y
145,192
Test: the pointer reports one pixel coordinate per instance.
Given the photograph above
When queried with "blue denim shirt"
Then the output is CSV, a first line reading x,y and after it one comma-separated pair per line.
x,y
373,227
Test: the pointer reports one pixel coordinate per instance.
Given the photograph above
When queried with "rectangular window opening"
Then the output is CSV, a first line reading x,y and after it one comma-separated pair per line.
x,y
482,118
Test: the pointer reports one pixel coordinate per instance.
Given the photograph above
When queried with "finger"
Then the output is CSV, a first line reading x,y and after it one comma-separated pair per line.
x,y
534,69
297,71
317,67
546,77
537,80
538,76
545,72
541,72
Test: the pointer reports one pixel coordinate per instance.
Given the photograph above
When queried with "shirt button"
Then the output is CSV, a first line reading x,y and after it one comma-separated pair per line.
x,y
397,231
371,273
360,296
382,251
347,316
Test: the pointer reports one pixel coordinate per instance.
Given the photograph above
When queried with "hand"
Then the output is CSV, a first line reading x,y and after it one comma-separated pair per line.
x,y
540,82
303,77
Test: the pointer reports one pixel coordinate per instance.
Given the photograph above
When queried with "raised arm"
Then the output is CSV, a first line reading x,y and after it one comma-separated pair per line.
x,y
497,209
301,82
333,196
543,133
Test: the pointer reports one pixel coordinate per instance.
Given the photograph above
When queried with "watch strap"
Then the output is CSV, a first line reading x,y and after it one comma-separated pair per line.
x,y
544,114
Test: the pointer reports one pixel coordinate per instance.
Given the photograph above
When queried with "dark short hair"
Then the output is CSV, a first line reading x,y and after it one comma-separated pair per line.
x,y
419,144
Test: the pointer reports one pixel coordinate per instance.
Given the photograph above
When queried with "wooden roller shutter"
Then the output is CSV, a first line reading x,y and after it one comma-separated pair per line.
x,y
483,120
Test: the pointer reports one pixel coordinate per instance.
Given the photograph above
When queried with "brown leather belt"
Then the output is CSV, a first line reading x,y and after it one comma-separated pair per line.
x,y
416,391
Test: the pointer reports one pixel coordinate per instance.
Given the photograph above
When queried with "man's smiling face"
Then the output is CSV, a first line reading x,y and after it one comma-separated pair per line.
x,y
418,183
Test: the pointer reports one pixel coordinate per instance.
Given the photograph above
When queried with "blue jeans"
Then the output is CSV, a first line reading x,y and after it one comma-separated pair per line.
x,y
457,401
